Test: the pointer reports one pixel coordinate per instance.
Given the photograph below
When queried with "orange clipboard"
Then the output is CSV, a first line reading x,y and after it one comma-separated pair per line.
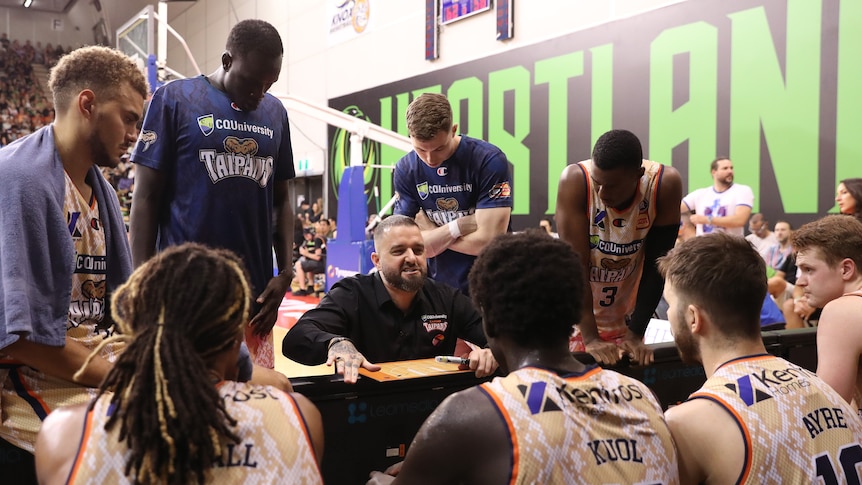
x,y
411,369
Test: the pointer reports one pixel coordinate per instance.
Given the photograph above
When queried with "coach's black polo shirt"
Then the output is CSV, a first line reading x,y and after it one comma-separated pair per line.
x,y
360,309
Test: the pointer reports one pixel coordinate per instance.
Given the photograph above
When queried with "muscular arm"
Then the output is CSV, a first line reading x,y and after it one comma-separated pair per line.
x,y
313,421
54,456
708,441
61,362
477,230
490,222
283,242
659,241
307,342
573,226
468,420
146,204
839,346
271,296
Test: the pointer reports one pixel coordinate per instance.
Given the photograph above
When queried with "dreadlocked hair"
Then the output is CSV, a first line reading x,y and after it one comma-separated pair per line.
x,y
176,312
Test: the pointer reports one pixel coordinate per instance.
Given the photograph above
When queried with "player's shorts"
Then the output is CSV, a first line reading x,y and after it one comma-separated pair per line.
x,y
312,266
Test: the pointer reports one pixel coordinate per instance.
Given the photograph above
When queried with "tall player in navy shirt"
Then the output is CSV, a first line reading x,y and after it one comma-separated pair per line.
x,y
458,188
213,162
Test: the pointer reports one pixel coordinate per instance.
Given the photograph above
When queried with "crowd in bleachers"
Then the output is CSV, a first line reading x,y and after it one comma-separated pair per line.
x,y
25,105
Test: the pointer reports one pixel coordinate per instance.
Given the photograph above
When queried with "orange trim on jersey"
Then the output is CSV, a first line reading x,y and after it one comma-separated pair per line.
x,y
746,436
585,375
750,358
655,188
516,456
82,447
589,187
33,394
304,427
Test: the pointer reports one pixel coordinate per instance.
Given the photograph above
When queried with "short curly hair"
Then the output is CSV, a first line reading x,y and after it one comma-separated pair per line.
x,y
529,287
255,35
618,149
100,69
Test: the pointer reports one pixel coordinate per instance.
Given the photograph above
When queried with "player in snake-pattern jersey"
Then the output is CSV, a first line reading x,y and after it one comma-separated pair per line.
x,y
164,413
758,419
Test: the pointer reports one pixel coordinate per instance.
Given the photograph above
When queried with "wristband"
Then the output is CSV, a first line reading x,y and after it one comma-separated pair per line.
x,y
454,230
709,219
335,340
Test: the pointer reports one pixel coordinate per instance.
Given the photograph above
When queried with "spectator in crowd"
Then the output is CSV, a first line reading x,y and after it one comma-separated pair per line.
x,y
761,237
304,212
547,225
316,211
312,261
723,207
849,197
784,273
333,229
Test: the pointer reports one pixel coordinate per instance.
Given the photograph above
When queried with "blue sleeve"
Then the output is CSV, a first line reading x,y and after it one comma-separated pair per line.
x,y
156,144
495,182
406,205
284,167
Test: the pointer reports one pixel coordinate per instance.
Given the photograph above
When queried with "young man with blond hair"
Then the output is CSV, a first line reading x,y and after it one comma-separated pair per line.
x,y
829,253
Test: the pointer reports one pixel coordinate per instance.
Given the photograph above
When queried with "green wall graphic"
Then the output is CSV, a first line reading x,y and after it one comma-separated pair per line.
x,y
769,83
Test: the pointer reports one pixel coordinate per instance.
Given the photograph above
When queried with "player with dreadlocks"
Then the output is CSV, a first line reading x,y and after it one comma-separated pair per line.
x,y
168,412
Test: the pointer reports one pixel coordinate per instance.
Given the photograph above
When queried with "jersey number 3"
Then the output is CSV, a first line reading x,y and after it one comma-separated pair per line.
x,y
610,294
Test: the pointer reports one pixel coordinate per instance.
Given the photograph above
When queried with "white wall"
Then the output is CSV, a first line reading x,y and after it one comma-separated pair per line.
x,y
36,26
391,49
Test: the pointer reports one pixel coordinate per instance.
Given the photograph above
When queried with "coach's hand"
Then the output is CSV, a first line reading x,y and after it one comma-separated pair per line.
x,y
348,360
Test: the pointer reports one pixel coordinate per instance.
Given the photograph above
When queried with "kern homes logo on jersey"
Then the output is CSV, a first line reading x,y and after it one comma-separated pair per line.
x,y
238,160
209,123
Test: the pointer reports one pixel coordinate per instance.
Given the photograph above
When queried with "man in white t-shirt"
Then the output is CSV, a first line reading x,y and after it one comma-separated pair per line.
x,y
724,207
761,237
